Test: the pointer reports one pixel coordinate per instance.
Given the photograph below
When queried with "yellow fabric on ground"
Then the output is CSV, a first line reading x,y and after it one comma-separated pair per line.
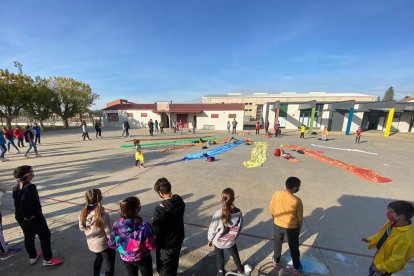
x,y
258,155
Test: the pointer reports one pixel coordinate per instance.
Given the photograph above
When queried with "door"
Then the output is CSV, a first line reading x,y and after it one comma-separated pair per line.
x,y
337,121
184,119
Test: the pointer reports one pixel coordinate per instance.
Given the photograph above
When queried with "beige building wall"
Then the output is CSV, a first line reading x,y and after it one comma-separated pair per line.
x,y
404,124
206,121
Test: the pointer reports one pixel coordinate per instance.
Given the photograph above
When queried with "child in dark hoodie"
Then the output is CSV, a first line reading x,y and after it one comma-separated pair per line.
x,y
133,238
28,213
223,231
168,224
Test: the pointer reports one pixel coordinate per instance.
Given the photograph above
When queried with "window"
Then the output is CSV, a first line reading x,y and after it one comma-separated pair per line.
x,y
214,116
130,115
144,115
113,117
232,116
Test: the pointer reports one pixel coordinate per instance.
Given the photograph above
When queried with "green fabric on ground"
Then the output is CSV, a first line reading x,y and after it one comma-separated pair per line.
x,y
174,142
258,155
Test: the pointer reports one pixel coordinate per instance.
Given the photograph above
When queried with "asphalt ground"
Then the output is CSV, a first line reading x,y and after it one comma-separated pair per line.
x,y
339,207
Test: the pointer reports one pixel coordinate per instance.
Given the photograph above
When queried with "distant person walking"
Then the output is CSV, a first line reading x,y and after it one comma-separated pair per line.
x,y
98,128
234,124
139,156
287,212
156,130
394,241
3,148
223,231
8,135
358,135
28,213
29,138
18,134
85,133
37,132
168,225
96,223
132,236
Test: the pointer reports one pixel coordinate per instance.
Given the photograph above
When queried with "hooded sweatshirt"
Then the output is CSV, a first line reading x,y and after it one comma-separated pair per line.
x,y
225,235
26,202
97,238
168,222
134,240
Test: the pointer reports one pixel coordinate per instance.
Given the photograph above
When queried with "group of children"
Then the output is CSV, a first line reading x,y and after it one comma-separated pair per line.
x,y
31,135
134,238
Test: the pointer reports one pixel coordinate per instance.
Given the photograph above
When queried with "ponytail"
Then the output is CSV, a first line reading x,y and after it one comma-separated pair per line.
x,y
93,200
227,200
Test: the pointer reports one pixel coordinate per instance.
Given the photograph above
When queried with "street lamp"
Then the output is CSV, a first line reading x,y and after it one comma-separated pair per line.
x,y
19,65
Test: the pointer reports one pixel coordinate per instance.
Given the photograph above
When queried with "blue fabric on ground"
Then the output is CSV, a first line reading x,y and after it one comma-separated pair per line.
x,y
213,152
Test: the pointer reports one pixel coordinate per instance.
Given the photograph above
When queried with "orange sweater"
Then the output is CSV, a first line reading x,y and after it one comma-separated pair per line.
x,y
286,209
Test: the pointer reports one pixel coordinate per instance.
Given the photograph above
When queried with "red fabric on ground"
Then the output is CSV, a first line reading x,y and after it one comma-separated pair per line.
x,y
364,173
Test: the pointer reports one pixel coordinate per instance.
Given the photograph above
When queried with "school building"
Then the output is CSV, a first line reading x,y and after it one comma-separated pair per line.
x,y
206,116
342,112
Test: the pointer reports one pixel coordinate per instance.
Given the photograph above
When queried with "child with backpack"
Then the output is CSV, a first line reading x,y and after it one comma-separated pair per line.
x,y
139,156
95,222
133,237
223,231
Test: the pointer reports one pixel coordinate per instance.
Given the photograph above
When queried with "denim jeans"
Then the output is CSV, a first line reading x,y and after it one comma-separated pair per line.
x,y
32,144
3,150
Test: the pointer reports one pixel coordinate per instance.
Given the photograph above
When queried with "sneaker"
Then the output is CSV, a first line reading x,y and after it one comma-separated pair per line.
x,y
247,269
25,156
142,166
17,152
53,261
276,266
297,272
33,261
12,252
3,160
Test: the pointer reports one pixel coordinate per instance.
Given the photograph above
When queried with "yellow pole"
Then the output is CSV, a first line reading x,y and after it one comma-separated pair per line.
x,y
389,122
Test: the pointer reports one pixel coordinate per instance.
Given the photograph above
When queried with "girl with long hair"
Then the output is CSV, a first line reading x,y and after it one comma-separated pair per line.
x,y
95,222
223,231
133,238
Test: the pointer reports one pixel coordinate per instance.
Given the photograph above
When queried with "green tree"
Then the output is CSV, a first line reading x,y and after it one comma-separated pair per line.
x,y
72,97
42,101
14,94
389,94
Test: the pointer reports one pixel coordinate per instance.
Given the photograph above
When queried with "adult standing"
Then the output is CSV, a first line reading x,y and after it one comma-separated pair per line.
x,y
151,127
162,126
85,133
194,124
124,129
228,126
168,225
28,214
98,128
234,124
18,134
180,126
37,131
156,130
287,213
175,126
3,148
29,138
8,135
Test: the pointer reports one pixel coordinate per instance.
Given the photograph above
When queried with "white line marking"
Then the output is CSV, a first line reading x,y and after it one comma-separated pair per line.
x,y
319,146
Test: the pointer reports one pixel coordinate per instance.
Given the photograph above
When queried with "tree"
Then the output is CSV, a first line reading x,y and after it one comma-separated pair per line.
x,y
14,94
71,97
42,100
389,95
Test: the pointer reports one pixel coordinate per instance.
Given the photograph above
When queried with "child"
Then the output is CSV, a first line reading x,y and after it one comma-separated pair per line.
x,y
28,213
302,132
395,240
133,238
28,137
257,128
358,135
223,231
18,134
95,222
139,156
5,251
325,134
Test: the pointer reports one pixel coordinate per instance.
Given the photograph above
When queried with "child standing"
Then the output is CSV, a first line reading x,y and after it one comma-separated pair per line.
x,y
223,231
325,134
18,134
302,132
28,213
133,238
358,135
95,222
5,251
394,242
257,128
139,156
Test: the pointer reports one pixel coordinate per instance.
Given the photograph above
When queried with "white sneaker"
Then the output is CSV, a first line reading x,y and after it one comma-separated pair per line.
x,y
34,260
247,269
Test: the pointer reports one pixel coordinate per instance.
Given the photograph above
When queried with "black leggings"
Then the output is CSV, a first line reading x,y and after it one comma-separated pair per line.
x,y
233,252
85,135
98,132
144,266
36,226
108,255
293,242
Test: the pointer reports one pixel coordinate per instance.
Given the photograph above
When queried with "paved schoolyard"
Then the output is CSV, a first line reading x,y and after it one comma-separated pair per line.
x,y
339,207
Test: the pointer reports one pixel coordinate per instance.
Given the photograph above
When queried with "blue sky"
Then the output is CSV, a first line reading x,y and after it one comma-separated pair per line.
x,y
180,50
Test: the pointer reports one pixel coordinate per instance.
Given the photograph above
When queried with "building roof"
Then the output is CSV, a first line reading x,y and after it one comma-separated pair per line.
x,y
407,99
197,108
131,106
288,94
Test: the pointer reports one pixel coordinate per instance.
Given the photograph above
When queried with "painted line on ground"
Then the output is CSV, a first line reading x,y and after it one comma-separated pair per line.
x,y
357,150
